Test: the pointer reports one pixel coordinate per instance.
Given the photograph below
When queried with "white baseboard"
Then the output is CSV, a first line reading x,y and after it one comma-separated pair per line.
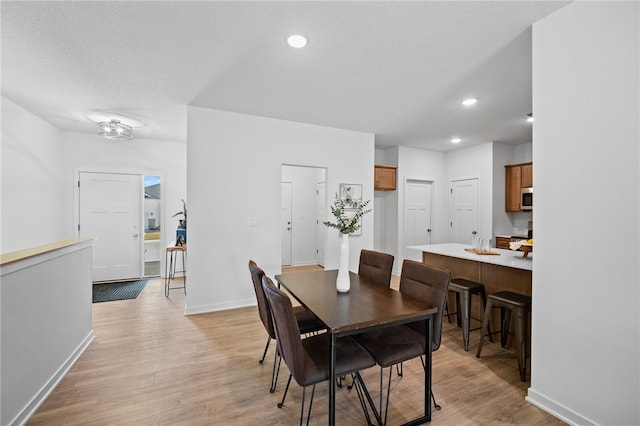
x,y
556,409
37,400
203,309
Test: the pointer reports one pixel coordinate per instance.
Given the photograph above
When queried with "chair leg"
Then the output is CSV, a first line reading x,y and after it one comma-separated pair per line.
x,y
446,308
313,391
505,322
277,360
458,313
435,404
522,345
483,295
464,305
266,347
485,326
361,390
286,389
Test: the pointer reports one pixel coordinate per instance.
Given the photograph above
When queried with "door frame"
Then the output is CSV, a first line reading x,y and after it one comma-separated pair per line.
x,y
478,200
404,208
142,174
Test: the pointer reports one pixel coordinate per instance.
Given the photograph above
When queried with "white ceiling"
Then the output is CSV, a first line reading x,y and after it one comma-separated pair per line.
x,y
397,69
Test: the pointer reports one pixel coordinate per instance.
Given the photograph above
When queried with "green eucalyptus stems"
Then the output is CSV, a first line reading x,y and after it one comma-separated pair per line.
x,y
347,218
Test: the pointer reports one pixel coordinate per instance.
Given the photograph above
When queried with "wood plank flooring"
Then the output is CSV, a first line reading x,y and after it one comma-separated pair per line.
x,y
151,365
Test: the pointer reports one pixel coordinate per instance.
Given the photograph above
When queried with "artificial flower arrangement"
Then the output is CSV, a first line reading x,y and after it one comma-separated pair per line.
x,y
348,213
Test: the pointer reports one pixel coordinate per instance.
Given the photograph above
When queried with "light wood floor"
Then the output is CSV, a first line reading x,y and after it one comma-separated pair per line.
x,y
151,365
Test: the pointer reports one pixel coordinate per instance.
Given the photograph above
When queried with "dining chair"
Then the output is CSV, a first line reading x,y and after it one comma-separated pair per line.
x,y
308,359
376,266
307,322
393,345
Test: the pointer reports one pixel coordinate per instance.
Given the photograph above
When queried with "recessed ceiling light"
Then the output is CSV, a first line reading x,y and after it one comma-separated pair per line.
x,y
456,140
530,118
296,40
469,101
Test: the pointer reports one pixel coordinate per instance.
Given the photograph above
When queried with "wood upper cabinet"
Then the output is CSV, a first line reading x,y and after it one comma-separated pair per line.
x,y
527,175
517,176
384,178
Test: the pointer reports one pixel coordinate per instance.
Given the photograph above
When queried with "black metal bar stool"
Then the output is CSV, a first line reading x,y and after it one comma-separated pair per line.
x,y
509,302
463,290
170,261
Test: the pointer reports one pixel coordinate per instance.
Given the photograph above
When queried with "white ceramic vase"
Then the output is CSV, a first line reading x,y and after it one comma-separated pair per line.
x,y
343,283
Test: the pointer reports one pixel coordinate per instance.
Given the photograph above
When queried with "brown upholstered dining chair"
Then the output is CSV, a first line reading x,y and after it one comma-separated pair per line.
x,y
393,345
308,359
307,322
376,266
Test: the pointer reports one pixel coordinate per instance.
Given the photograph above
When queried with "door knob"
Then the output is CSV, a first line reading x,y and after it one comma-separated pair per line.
x,y
135,234
428,229
288,228
474,232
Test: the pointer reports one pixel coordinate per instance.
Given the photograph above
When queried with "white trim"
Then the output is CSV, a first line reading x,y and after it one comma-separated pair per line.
x,y
556,409
37,400
204,309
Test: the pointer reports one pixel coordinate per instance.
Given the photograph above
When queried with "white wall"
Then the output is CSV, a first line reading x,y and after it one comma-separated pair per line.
x,y
32,193
46,325
39,165
420,164
475,162
234,175
586,338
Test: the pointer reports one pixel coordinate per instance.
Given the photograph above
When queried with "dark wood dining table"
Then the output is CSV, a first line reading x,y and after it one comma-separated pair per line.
x,y
365,307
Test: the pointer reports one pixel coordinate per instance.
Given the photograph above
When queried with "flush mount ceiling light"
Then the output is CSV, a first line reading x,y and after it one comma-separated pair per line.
x,y
456,140
115,130
297,41
469,101
530,118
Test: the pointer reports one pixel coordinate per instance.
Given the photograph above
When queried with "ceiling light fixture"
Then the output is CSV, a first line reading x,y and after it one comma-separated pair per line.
x,y
296,40
115,130
469,101
530,118
456,140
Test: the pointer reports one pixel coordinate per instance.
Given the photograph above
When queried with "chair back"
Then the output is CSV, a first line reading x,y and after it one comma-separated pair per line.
x,y
429,284
376,266
263,305
287,330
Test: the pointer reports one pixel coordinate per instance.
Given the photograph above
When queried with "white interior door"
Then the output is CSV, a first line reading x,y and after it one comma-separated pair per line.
x,y
321,215
110,207
286,231
464,210
417,216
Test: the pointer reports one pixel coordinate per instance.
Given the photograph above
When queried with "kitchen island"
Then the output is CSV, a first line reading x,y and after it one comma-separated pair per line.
x,y
507,270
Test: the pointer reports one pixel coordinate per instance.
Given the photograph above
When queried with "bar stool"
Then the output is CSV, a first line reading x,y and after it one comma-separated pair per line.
x,y
509,302
170,261
464,289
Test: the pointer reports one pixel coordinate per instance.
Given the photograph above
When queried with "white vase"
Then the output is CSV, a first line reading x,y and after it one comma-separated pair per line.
x,y
343,282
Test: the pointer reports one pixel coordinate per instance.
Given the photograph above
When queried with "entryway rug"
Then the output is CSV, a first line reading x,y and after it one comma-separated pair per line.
x,y
108,292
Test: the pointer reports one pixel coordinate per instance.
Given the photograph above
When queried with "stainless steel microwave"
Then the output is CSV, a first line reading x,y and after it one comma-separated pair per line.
x,y
526,199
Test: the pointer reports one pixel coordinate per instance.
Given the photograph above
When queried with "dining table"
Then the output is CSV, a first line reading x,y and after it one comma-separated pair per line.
x,y
366,306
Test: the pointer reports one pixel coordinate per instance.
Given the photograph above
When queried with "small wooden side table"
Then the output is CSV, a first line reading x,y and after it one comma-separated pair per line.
x,y
170,261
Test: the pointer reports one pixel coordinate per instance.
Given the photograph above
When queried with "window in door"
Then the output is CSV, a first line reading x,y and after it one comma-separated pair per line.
x,y
152,226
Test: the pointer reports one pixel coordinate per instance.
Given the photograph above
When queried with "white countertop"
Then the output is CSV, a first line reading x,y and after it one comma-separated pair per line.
x,y
508,258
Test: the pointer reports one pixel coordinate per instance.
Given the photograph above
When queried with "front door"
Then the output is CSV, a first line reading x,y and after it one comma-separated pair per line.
x,y
110,207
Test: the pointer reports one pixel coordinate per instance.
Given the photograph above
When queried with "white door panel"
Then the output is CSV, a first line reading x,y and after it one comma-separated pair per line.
x,y
417,216
110,211
286,231
464,210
